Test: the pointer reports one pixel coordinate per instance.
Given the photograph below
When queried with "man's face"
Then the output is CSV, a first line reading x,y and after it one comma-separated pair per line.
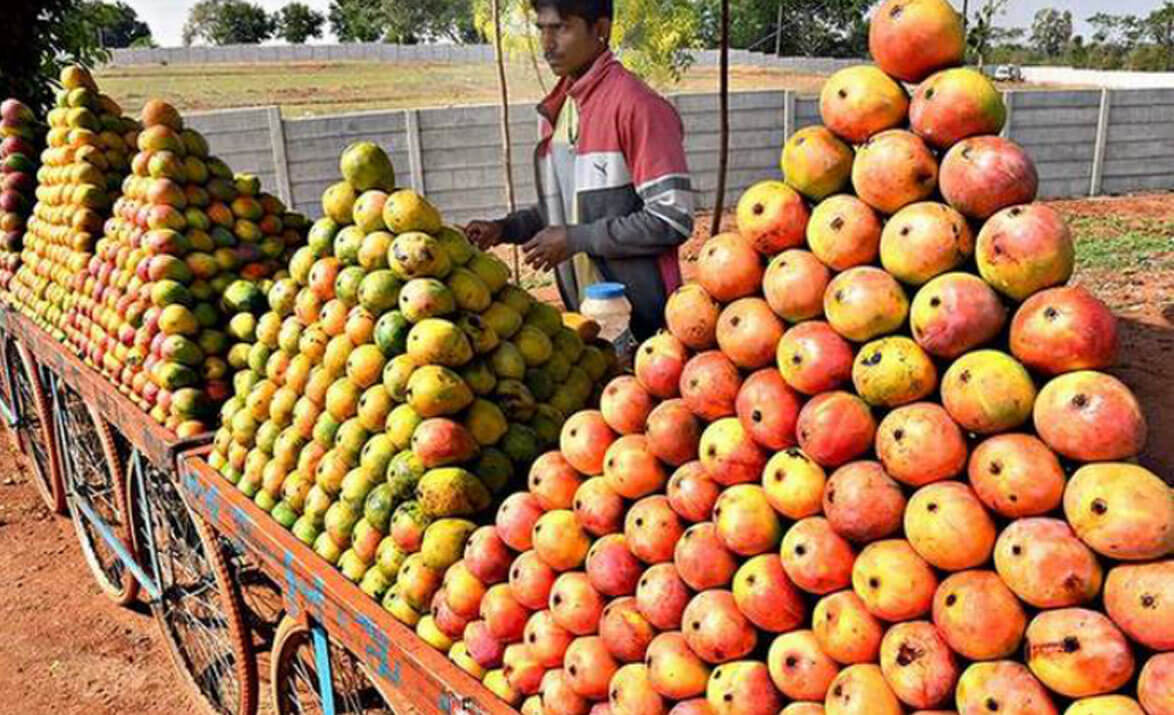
x,y
570,44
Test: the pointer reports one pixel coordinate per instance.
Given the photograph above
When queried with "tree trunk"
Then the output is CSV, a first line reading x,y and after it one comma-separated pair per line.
x,y
724,119
507,163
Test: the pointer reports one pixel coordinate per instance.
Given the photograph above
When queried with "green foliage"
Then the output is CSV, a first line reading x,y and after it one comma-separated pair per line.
x,y
356,20
1051,30
831,28
297,22
1113,242
413,20
653,38
227,22
51,34
118,23
981,32
1127,42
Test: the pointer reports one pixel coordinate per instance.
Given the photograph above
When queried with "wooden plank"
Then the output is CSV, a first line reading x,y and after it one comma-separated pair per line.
x,y
159,445
415,677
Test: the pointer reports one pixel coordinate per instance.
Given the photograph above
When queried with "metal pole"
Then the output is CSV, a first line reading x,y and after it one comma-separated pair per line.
x,y
724,119
779,32
508,165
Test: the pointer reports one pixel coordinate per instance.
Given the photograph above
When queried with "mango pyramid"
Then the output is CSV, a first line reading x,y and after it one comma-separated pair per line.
x,y
187,245
394,386
18,161
87,153
872,466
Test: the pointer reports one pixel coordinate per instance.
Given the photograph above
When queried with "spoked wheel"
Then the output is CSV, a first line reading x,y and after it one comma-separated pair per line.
x,y
96,490
199,609
294,677
34,425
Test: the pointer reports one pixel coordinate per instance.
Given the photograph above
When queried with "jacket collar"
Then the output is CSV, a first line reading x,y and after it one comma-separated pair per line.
x,y
578,89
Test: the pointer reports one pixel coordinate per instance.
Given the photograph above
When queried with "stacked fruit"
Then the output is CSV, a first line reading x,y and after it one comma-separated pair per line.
x,y
785,503
394,387
18,162
87,154
184,244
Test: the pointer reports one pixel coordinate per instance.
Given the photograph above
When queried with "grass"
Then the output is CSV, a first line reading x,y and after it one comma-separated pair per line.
x,y
1123,243
310,88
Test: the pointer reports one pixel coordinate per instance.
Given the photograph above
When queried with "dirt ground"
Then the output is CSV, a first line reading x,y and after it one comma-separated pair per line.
x,y
67,650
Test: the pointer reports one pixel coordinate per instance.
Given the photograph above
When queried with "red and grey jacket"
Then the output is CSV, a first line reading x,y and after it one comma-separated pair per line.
x,y
632,188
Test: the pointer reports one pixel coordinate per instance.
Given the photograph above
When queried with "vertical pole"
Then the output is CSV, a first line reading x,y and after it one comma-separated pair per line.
x,y
1098,154
508,163
322,663
415,152
779,32
1009,103
788,114
280,160
724,119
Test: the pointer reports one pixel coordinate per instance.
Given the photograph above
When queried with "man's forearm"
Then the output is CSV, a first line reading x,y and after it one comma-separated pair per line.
x,y
642,233
520,226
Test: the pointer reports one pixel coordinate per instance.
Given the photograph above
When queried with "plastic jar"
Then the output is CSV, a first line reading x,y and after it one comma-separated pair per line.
x,y
607,305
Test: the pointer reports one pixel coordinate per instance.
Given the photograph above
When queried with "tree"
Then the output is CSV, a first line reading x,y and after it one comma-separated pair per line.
x,y
117,23
1051,30
980,32
297,22
413,20
836,28
653,38
227,22
356,20
51,35
1160,26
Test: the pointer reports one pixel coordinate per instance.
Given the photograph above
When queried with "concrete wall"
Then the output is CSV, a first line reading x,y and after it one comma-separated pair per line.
x,y
1084,142
1114,79
384,52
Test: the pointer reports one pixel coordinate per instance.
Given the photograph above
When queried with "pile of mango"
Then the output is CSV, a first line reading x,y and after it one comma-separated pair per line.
x,y
18,163
87,154
187,246
395,387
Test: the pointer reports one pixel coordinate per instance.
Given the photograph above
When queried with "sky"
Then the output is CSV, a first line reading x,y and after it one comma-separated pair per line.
x,y
166,17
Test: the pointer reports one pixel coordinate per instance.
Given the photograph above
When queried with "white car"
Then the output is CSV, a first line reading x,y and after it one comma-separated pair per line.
x,y
1008,73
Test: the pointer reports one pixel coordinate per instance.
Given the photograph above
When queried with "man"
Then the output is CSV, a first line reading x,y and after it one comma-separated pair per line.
x,y
615,199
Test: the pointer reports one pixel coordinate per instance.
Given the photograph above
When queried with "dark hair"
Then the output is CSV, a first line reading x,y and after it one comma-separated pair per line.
x,y
589,10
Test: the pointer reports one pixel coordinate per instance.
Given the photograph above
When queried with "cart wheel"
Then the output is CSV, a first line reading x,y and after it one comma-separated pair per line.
x,y
199,610
294,676
34,425
94,474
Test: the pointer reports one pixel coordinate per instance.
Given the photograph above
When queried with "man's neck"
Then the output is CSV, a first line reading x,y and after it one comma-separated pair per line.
x,y
578,74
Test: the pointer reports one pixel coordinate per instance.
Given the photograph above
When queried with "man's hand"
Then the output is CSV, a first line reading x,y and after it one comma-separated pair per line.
x,y
548,248
484,234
